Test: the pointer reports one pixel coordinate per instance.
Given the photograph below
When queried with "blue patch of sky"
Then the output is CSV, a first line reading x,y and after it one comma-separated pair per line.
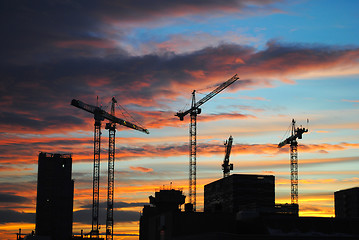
x,y
330,22
320,94
302,100
333,22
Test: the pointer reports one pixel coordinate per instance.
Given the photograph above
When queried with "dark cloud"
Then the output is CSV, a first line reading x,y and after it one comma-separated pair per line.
x,y
84,216
47,30
124,234
33,27
280,58
29,122
311,208
14,216
38,97
11,198
117,205
30,147
140,10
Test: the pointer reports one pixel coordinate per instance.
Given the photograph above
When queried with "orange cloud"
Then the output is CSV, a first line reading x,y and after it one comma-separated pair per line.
x,y
141,169
20,150
253,98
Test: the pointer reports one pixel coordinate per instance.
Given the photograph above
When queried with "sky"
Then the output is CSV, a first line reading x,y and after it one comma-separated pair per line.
x,y
295,59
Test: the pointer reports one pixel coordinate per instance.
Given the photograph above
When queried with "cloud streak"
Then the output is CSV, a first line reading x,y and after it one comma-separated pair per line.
x,y
141,169
11,198
14,216
82,149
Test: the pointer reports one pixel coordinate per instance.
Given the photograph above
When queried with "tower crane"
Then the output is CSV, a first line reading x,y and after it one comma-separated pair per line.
x,y
111,126
292,141
99,116
194,111
226,166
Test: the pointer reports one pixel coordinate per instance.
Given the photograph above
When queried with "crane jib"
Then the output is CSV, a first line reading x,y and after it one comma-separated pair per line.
x,y
98,112
217,90
208,96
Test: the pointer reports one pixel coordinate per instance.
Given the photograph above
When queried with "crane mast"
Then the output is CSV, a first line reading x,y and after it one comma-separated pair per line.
x,y
99,116
111,126
294,172
292,141
96,175
226,166
194,111
193,152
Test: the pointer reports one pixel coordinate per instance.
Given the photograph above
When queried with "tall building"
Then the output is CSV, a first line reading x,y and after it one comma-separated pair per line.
x,y
347,203
55,193
240,192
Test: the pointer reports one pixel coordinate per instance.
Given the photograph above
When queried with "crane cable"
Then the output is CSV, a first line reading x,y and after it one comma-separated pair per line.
x,y
123,111
199,91
125,114
286,134
210,86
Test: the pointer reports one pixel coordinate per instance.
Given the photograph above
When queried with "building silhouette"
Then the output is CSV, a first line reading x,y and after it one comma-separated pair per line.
x,y
240,206
224,199
347,203
158,219
240,192
55,193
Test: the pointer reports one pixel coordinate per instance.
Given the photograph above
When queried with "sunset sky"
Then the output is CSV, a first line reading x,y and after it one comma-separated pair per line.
x,y
295,59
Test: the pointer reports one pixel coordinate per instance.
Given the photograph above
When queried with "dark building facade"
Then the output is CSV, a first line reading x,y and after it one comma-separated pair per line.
x,y
287,209
347,203
240,192
55,193
163,220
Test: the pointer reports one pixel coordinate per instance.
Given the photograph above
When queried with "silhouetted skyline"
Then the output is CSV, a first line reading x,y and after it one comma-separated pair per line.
x,y
294,59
